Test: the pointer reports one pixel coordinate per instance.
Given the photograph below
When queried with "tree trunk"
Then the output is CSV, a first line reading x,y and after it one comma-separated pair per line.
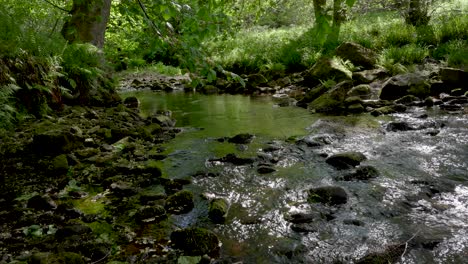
x,y
339,15
88,22
319,11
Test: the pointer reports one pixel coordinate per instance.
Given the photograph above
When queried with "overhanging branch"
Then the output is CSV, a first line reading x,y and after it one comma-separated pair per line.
x,y
56,6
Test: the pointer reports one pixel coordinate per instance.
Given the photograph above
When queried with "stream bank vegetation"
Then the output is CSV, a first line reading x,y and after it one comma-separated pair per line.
x,y
80,174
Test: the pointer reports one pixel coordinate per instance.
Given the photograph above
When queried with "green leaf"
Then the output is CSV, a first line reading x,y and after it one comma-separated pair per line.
x,y
350,3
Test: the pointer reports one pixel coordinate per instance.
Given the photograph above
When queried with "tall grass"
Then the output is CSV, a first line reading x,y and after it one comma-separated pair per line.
x,y
398,44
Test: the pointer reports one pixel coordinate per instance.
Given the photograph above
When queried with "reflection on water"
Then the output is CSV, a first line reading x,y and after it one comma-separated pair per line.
x,y
421,194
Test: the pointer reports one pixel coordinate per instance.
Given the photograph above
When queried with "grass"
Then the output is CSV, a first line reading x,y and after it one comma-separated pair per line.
x,y
153,68
398,45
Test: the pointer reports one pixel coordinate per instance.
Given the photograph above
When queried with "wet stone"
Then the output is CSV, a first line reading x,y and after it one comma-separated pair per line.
x,y
39,202
329,195
150,213
362,173
399,126
218,210
346,160
299,218
180,202
241,139
264,169
195,241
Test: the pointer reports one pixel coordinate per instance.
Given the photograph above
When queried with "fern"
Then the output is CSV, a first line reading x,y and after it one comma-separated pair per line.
x,y
7,110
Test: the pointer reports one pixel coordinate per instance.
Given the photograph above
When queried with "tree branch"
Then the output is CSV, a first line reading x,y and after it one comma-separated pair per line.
x,y
56,6
142,6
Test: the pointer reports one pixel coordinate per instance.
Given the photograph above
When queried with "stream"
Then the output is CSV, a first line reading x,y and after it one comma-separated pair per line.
x,y
419,202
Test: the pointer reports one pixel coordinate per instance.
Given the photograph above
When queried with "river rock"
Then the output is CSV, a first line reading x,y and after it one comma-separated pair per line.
x,y
265,169
329,195
369,76
362,91
195,241
407,100
241,139
399,126
132,102
404,84
44,203
180,202
454,77
390,109
56,142
218,210
331,102
362,173
150,213
123,189
72,230
299,218
325,69
346,160
232,158
60,164
357,54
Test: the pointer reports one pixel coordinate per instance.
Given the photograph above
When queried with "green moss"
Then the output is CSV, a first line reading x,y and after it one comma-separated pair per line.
x,y
88,206
218,210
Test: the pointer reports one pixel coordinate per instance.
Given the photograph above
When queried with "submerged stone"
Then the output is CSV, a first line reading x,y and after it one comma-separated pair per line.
x,y
196,241
241,139
218,210
150,213
346,160
330,195
362,173
180,202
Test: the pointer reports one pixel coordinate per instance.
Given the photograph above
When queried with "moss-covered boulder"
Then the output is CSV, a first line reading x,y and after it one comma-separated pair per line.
x,y
56,141
357,54
218,210
362,173
329,195
244,138
60,164
346,160
332,102
150,213
180,202
362,91
327,69
407,99
389,109
196,241
403,84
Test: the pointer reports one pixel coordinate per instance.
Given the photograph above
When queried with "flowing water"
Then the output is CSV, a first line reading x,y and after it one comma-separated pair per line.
x,y
419,202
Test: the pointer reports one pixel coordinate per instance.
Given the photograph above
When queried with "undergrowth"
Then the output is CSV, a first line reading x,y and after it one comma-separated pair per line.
x,y
399,45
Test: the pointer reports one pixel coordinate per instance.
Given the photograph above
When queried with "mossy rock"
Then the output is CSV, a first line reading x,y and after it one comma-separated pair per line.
x,y
196,241
218,210
180,202
329,68
331,102
362,91
60,164
61,258
346,160
330,195
407,99
362,173
389,109
356,108
150,213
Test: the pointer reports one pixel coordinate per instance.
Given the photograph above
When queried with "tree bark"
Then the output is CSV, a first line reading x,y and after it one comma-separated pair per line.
x,y
88,22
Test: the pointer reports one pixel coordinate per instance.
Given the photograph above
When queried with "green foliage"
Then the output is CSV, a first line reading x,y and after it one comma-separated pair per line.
x,y
7,109
406,55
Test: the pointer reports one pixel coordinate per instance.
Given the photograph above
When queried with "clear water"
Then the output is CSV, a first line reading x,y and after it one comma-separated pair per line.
x,y
394,208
